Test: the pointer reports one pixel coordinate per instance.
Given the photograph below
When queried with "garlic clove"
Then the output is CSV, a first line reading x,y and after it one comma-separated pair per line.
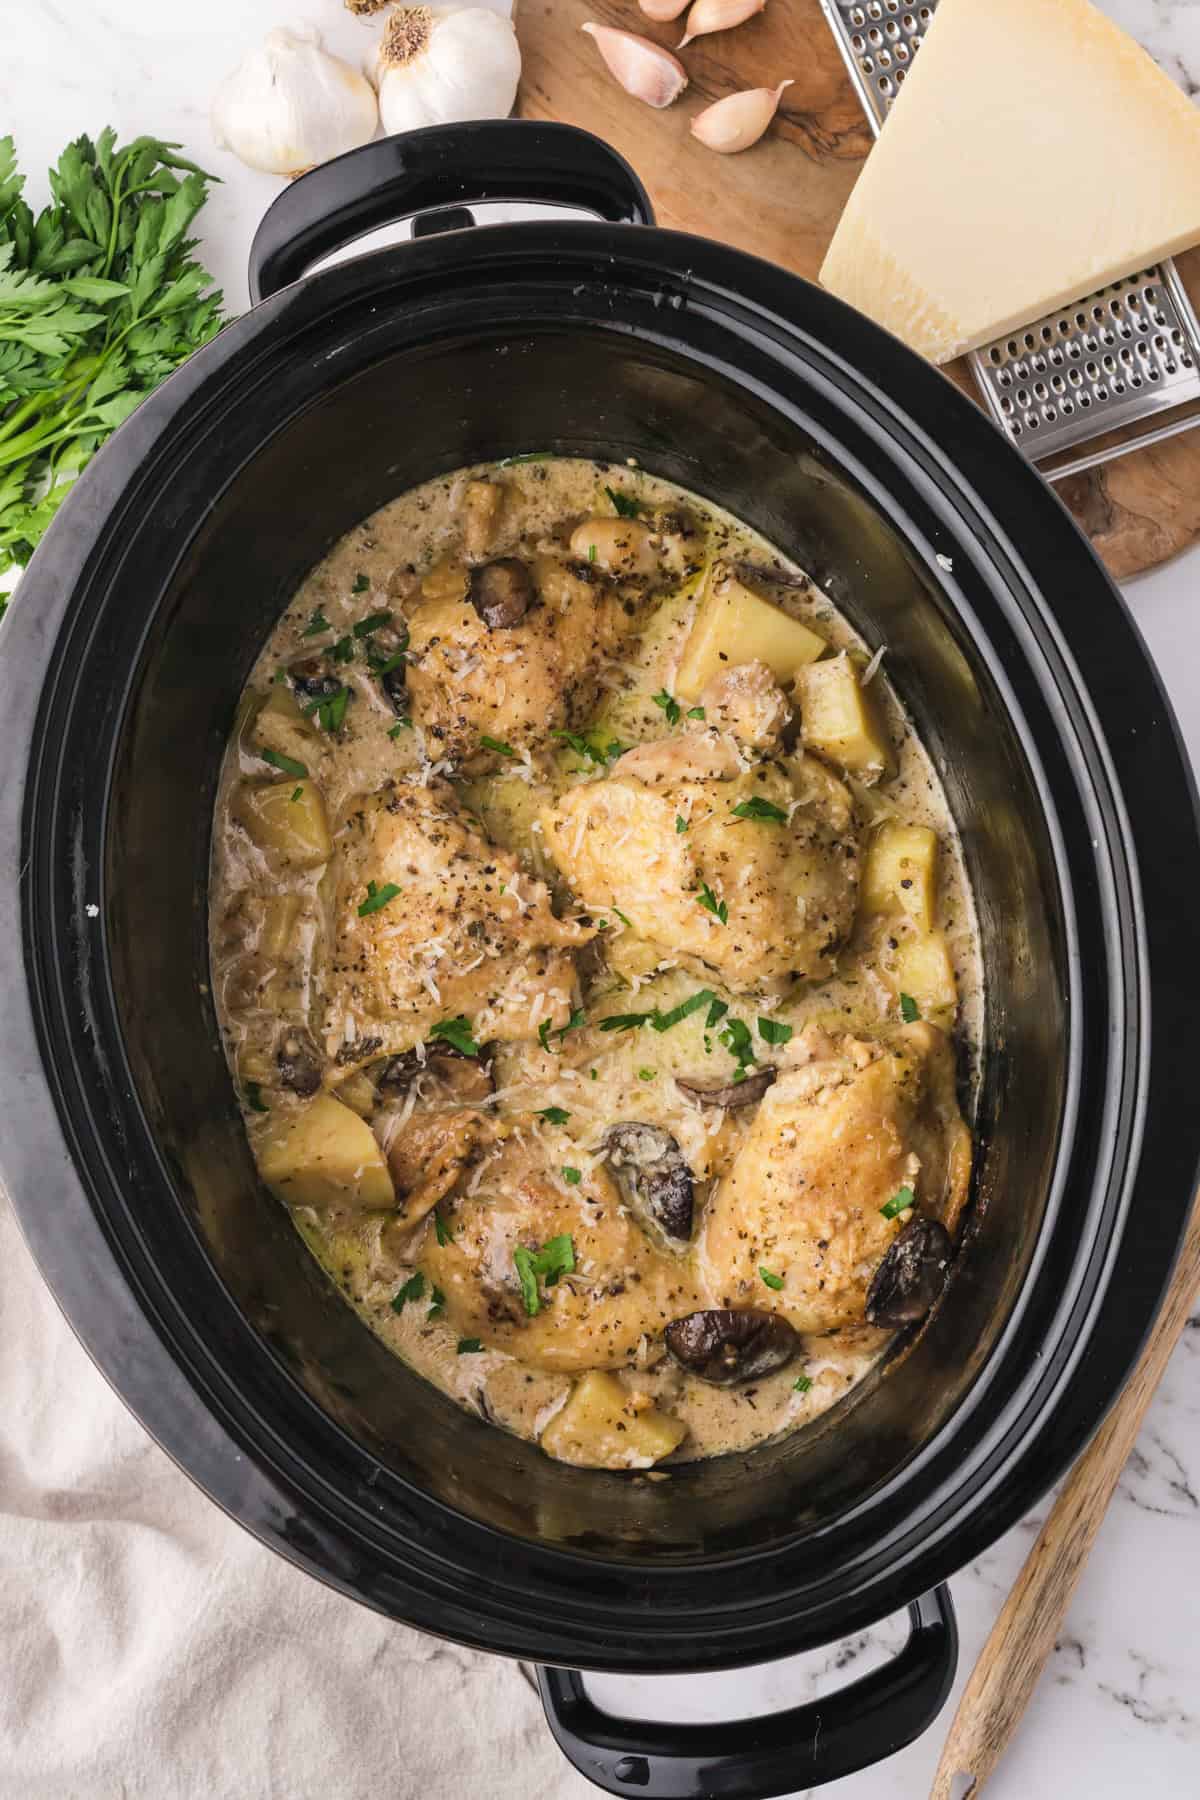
x,y
717,15
290,105
739,120
644,69
436,67
662,11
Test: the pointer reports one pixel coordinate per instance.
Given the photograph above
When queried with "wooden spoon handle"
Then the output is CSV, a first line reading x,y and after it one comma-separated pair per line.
x,y
1022,1638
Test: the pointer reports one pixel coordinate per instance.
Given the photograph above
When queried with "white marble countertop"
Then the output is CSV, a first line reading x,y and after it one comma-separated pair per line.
x,y
1118,1710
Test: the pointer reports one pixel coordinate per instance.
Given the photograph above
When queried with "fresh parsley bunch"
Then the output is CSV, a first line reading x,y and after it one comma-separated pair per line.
x,y
100,298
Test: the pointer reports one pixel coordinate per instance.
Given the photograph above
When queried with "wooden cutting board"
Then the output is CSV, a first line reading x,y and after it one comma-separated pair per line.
x,y
782,199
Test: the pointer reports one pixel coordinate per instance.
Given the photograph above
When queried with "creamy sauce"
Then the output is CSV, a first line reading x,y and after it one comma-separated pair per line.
x,y
275,965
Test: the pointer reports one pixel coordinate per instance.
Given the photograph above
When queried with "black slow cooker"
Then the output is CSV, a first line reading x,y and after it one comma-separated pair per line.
x,y
120,665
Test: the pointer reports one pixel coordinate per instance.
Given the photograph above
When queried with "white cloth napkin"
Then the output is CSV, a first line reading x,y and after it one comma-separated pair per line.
x,y
150,1649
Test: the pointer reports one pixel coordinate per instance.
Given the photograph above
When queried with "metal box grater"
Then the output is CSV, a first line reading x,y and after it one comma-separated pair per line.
x,y
1117,361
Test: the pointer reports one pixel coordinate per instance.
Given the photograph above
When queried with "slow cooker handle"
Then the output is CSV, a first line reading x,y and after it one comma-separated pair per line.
x,y
752,1759
444,165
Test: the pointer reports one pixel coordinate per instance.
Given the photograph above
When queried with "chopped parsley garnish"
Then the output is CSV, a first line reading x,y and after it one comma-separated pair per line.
x,y
457,1032
910,1012
469,1346
716,1013
669,705
708,900
572,1177
556,1257
413,1288
663,1021
343,650
441,1230
772,1280
772,1032
802,1384
624,1021
647,1074
735,1035
624,505
500,748
384,665
697,712
331,710
297,794
377,897
287,764
404,724
601,755
254,1099
554,1115
681,823
437,1303
900,1202
758,808
373,622
316,625
545,1032
623,918
591,552
361,584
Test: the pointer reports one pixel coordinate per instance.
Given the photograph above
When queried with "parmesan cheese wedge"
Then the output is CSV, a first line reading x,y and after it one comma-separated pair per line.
x,y
1034,154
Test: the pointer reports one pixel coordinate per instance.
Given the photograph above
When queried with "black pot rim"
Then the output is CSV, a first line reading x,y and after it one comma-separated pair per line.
x,y
956,469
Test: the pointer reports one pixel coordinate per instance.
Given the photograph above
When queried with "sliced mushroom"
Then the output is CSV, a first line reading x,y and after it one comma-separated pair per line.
x,y
730,1093
299,1061
911,1275
501,592
731,1344
314,679
648,1167
467,1078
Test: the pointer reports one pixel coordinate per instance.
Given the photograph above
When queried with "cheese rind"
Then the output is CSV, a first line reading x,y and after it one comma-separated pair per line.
x,y
1034,154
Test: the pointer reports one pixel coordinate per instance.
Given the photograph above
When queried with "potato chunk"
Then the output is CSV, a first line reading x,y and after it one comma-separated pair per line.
x,y
603,1427
281,727
924,971
286,819
839,719
901,873
324,1155
734,625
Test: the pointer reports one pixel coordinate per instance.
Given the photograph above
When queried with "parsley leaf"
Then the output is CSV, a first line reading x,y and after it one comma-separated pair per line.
x,y
361,584
437,1303
772,1280
624,505
469,1346
647,1074
413,1288
287,764
681,823
377,897
572,1177
554,1115
545,1032
716,1013
456,1032
343,650
441,1230
556,1257
404,724
500,748
331,710
900,1202
601,755
735,1035
297,794
772,1032
316,625
254,1099
663,1021
697,712
669,705
708,900
802,1384
623,1021
758,808
373,622
910,1012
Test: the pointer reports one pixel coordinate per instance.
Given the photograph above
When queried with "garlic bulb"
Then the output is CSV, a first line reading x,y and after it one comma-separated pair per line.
x,y
739,120
644,69
662,10
717,15
435,68
289,105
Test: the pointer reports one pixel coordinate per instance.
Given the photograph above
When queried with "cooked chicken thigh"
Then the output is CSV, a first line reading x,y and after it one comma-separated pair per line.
x,y
621,1289
748,869
507,650
835,1140
467,931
